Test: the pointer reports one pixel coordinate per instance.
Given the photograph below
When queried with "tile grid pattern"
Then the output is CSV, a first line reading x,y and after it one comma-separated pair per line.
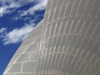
x,y
66,42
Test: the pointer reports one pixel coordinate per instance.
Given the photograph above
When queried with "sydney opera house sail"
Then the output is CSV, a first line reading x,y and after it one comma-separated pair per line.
x,y
65,42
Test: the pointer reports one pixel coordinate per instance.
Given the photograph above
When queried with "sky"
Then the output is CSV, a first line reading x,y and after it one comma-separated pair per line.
x,y
17,19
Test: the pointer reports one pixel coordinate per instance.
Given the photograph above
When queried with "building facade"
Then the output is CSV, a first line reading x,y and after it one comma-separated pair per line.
x,y
65,42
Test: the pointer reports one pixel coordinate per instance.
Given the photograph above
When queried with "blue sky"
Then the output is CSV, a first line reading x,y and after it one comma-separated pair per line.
x,y
17,19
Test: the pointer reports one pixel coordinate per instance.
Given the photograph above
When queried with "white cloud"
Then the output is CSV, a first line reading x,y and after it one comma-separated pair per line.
x,y
2,30
17,35
6,5
3,10
41,5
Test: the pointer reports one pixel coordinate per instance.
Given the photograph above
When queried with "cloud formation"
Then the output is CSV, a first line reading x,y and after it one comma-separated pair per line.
x,y
17,35
2,30
41,5
8,6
